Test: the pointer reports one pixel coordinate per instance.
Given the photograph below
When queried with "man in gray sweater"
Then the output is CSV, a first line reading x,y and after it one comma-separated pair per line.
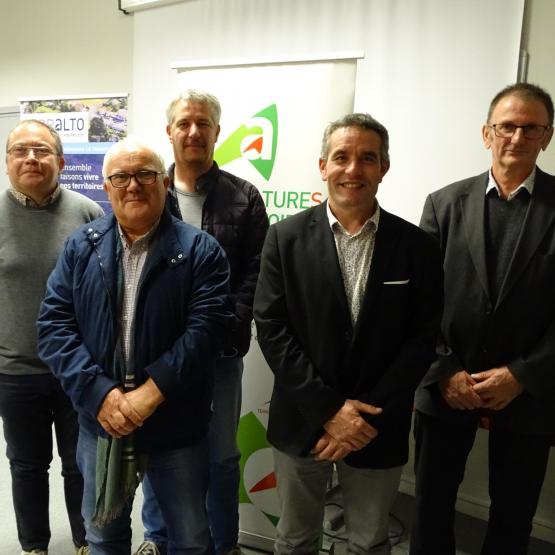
x,y
36,215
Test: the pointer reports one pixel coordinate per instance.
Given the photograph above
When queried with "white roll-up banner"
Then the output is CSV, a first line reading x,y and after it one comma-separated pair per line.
x,y
273,118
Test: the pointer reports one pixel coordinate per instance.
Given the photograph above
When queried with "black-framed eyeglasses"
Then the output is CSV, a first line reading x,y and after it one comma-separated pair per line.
x,y
530,131
143,177
22,151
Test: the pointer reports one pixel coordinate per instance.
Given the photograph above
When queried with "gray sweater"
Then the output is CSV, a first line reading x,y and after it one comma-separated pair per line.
x,y
30,241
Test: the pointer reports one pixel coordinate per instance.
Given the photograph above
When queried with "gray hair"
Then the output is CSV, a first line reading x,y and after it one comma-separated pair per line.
x,y
51,130
363,121
131,144
193,95
524,91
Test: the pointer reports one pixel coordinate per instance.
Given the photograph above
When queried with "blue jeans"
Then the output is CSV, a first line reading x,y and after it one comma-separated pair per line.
x,y
29,406
222,500
179,480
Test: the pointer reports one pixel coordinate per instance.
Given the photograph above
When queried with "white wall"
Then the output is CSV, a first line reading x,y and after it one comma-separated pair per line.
x,y
430,69
63,47
539,42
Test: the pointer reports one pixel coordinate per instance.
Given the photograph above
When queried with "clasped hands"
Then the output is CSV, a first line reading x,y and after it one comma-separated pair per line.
x,y
492,389
122,413
346,431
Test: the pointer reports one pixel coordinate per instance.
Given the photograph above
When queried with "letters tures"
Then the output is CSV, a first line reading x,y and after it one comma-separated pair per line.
x,y
273,117
88,126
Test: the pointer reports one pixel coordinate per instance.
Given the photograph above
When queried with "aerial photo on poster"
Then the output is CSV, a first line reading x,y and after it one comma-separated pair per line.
x,y
87,127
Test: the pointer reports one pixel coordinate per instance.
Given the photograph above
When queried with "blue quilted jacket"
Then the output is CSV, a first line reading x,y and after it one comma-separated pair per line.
x,y
183,309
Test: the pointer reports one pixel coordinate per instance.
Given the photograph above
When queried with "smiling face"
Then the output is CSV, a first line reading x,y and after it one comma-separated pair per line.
x,y
29,172
516,153
353,171
193,134
136,207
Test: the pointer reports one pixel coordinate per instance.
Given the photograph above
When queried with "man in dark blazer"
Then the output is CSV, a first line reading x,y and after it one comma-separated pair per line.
x,y
496,357
347,309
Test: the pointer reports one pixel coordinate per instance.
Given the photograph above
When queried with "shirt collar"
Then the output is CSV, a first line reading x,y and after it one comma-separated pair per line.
x,y
527,184
371,223
27,201
140,243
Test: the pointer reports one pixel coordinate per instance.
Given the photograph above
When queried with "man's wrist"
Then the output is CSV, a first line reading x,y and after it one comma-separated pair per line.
x,y
152,393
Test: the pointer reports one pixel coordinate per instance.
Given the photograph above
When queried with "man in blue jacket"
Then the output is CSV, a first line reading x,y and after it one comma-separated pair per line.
x,y
130,325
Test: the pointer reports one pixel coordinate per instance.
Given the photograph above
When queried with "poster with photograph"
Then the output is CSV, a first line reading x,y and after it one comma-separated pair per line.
x,y
87,126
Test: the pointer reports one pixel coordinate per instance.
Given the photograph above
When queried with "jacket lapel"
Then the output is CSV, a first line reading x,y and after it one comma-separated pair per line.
x,y
539,219
472,208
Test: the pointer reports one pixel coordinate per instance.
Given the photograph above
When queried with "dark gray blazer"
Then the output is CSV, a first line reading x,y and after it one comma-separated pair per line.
x,y
519,331
319,359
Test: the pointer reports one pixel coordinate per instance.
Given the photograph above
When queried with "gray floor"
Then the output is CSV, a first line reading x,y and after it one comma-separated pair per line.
x,y
469,530
61,543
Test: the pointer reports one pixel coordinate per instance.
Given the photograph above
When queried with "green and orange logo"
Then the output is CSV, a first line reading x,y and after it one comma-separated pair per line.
x,y
258,481
255,140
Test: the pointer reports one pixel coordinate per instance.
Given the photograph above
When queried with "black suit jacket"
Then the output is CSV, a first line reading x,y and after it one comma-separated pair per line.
x,y
519,331
319,359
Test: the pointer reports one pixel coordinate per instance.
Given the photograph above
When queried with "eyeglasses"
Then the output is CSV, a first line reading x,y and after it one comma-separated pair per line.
x,y
143,177
531,131
21,152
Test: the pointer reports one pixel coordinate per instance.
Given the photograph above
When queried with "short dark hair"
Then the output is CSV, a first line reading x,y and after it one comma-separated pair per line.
x,y
363,121
525,91
52,131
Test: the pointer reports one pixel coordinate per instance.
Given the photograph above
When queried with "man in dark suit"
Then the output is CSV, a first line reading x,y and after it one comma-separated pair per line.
x,y
347,309
496,357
